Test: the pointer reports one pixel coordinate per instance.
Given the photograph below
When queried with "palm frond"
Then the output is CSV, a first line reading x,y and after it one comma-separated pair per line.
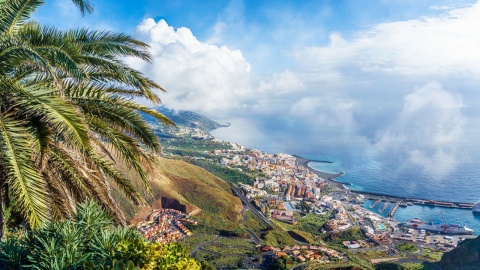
x,y
14,13
40,101
84,6
125,146
105,70
26,185
107,44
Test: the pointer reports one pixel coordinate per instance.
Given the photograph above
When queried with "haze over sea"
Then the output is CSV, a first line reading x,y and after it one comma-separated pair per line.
x,y
387,174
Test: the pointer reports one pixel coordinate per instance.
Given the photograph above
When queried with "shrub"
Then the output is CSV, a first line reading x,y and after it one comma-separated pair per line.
x,y
90,241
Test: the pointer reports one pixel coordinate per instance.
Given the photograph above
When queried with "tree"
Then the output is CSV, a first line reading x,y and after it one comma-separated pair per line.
x,y
68,121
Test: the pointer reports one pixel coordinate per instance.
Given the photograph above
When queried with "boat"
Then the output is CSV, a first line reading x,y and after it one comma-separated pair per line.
x,y
476,208
438,227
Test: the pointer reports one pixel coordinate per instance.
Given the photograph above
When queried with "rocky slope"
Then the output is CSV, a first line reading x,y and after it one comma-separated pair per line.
x,y
464,257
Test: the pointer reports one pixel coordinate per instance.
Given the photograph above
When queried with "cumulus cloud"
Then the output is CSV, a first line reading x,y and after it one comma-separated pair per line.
x,y
198,76
445,44
428,130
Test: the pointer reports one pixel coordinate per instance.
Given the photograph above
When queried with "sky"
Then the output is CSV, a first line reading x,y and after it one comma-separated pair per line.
x,y
396,77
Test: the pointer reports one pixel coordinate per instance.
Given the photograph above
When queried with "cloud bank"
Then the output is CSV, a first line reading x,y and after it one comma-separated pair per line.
x,y
428,131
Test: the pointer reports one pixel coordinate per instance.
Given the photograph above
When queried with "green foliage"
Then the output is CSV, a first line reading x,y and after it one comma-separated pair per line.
x,y
351,234
277,238
311,223
227,174
90,241
389,266
407,247
414,266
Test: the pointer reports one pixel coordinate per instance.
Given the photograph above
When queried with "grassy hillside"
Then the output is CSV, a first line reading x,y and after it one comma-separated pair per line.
x,y
191,186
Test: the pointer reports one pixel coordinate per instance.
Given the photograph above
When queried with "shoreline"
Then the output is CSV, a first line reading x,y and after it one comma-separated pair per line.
x,y
329,177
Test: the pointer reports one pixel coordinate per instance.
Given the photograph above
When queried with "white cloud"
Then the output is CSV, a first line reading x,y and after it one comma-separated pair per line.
x,y
281,83
428,130
197,76
445,44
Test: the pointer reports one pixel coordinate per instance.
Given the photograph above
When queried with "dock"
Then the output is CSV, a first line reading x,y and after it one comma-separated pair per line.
x,y
375,203
394,209
385,206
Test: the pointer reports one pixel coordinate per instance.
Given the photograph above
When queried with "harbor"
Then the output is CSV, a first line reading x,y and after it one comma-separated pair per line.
x,y
405,208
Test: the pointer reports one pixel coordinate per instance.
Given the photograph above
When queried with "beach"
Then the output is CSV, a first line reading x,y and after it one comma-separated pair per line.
x,y
329,177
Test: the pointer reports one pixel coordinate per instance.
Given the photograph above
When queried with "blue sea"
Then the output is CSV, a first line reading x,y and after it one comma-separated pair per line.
x,y
387,172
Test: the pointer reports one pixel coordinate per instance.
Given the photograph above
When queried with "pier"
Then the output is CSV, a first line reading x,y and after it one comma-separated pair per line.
x,y
378,197
375,203
385,206
394,209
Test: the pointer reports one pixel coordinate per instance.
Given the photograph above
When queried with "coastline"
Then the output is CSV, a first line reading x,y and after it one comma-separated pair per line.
x,y
329,177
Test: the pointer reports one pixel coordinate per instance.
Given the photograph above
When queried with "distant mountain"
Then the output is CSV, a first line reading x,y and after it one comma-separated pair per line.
x,y
189,119
464,257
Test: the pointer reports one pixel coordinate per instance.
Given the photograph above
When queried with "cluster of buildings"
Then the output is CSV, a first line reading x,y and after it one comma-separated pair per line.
x,y
306,253
281,172
356,244
165,225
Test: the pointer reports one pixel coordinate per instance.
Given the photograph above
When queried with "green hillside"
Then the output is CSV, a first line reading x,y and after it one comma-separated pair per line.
x,y
193,187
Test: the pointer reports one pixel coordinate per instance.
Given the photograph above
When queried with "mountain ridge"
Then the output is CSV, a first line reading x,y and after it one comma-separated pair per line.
x,y
187,118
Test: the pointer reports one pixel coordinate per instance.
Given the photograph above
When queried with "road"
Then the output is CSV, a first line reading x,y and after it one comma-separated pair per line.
x,y
194,252
243,215
252,208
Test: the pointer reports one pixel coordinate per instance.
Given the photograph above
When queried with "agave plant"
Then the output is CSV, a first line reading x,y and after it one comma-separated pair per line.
x,y
68,115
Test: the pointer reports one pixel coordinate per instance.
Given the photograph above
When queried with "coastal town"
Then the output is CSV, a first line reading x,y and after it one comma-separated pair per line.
x,y
285,189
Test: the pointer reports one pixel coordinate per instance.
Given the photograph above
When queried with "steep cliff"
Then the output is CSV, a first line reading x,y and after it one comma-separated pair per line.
x,y
464,257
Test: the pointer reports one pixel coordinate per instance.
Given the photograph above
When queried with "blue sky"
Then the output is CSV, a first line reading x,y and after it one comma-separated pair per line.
x,y
398,76
249,25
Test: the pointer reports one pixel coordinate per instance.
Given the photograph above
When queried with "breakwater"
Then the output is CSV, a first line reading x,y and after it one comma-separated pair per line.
x,y
406,201
331,179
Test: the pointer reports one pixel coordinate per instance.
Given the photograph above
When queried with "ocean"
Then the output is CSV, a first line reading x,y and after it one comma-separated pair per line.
x,y
389,173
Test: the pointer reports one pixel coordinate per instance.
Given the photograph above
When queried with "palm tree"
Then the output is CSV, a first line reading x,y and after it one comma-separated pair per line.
x,y
68,116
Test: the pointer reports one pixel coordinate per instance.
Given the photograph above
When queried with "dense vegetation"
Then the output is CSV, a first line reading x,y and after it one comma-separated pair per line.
x,y
67,116
89,241
338,237
227,174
